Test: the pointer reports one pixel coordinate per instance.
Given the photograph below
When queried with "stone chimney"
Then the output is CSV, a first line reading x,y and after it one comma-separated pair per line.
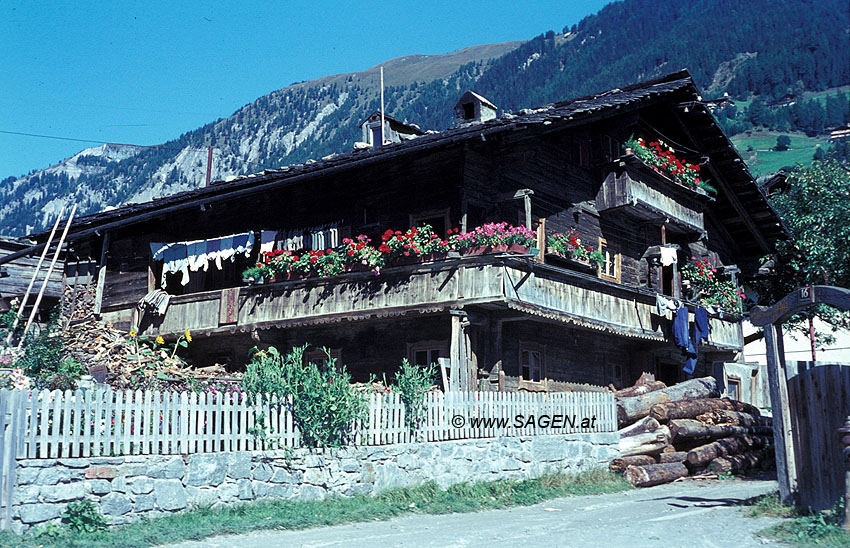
x,y
473,109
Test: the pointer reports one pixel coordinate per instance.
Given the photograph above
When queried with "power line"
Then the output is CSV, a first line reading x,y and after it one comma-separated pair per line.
x,y
54,137
94,141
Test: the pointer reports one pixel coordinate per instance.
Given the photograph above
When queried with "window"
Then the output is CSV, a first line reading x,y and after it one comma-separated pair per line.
x,y
733,388
610,267
468,111
376,135
322,356
427,352
437,219
531,362
614,372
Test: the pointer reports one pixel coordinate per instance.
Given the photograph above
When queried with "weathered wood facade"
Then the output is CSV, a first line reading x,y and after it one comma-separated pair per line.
x,y
494,313
16,275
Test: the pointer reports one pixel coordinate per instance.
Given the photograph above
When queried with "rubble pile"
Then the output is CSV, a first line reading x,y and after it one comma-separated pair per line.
x,y
667,433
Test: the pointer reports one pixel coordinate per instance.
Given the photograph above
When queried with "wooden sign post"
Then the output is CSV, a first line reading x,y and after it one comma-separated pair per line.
x,y
771,320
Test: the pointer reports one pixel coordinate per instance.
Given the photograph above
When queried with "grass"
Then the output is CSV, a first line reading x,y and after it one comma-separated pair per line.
x,y
283,514
762,159
800,528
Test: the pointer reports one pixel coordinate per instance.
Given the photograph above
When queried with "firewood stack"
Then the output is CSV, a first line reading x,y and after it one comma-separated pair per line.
x,y
667,433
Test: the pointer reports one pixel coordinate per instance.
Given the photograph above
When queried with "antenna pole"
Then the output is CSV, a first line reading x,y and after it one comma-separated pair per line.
x,y
382,105
209,165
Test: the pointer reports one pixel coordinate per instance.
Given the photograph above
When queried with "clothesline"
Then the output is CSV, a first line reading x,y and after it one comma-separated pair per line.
x,y
198,254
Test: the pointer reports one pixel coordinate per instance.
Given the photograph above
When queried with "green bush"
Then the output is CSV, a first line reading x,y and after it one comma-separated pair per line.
x,y
83,517
324,405
42,351
412,383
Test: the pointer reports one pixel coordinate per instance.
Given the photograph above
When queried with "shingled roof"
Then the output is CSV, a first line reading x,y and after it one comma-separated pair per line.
x,y
756,218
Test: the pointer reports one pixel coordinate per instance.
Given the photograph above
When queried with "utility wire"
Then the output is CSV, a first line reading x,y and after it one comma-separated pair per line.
x,y
94,141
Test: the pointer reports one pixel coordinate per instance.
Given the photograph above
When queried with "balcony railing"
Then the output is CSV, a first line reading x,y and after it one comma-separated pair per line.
x,y
540,290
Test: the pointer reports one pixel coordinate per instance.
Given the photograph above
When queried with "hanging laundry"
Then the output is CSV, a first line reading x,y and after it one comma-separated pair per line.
x,y
197,254
174,257
668,256
681,334
267,241
682,337
701,325
198,258
155,302
662,304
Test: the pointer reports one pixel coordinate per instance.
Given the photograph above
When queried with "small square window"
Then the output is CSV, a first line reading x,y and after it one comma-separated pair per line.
x,y
733,388
425,353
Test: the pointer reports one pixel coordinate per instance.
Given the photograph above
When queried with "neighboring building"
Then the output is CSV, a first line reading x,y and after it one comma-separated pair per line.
x,y
798,346
16,275
504,321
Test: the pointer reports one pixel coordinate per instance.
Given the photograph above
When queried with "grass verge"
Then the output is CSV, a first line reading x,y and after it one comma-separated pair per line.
x,y
283,514
801,528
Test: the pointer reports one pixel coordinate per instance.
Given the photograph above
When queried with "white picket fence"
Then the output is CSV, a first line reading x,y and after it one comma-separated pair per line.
x,y
66,424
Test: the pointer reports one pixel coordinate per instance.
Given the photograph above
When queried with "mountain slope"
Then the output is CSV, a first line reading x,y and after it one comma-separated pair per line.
x,y
303,120
743,47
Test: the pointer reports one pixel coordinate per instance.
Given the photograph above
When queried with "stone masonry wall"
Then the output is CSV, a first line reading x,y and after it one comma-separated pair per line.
x,y
128,488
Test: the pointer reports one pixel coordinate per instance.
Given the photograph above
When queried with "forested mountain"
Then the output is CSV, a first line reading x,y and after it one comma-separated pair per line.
x,y
757,51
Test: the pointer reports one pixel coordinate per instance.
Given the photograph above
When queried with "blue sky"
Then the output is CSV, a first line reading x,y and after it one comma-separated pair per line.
x,y
145,72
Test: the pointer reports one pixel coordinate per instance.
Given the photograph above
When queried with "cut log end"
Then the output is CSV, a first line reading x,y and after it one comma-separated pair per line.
x,y
655,474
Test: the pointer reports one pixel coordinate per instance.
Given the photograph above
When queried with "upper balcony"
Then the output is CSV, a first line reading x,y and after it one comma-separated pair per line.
x,y
641,192
493,282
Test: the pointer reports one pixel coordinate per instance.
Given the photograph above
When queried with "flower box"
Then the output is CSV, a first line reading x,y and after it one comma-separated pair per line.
x,y
519,249
476,250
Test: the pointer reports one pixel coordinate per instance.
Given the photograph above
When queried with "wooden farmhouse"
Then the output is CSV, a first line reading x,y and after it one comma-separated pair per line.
x,y
537,320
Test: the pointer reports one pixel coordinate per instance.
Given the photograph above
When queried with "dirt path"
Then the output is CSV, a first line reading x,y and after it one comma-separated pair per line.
x,y
688,514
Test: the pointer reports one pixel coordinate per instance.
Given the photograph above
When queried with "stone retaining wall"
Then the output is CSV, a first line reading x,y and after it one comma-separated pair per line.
x,y
127,488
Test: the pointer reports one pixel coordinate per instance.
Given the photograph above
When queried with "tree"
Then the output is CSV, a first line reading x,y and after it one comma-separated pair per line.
x,y
816,211
783,142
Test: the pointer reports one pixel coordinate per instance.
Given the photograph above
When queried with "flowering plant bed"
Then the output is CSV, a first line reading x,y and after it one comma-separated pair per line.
x,y
569,246
661,158
416,245
495,237
704,285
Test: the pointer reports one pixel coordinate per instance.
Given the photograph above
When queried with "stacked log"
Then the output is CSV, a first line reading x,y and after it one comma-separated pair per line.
x,y
667,433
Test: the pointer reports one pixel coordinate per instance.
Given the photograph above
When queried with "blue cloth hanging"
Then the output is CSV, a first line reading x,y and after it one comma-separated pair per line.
x,y
681,333
701,325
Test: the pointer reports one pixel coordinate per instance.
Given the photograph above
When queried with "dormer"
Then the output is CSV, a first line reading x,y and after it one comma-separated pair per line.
x,y
473,108
394,131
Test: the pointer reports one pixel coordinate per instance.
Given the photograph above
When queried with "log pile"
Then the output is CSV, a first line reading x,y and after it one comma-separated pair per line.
x,y
668,433
95,342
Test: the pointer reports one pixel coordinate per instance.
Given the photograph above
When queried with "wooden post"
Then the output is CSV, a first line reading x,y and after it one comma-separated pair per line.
x,y
844,433
541,241
454,353
786,470
101,275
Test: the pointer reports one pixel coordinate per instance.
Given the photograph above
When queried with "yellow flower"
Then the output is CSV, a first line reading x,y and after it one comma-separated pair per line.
x,y
188,336
133,332
160,340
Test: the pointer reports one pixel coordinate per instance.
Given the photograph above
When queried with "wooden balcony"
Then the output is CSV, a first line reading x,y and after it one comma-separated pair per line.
x,y
495,283
636,190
